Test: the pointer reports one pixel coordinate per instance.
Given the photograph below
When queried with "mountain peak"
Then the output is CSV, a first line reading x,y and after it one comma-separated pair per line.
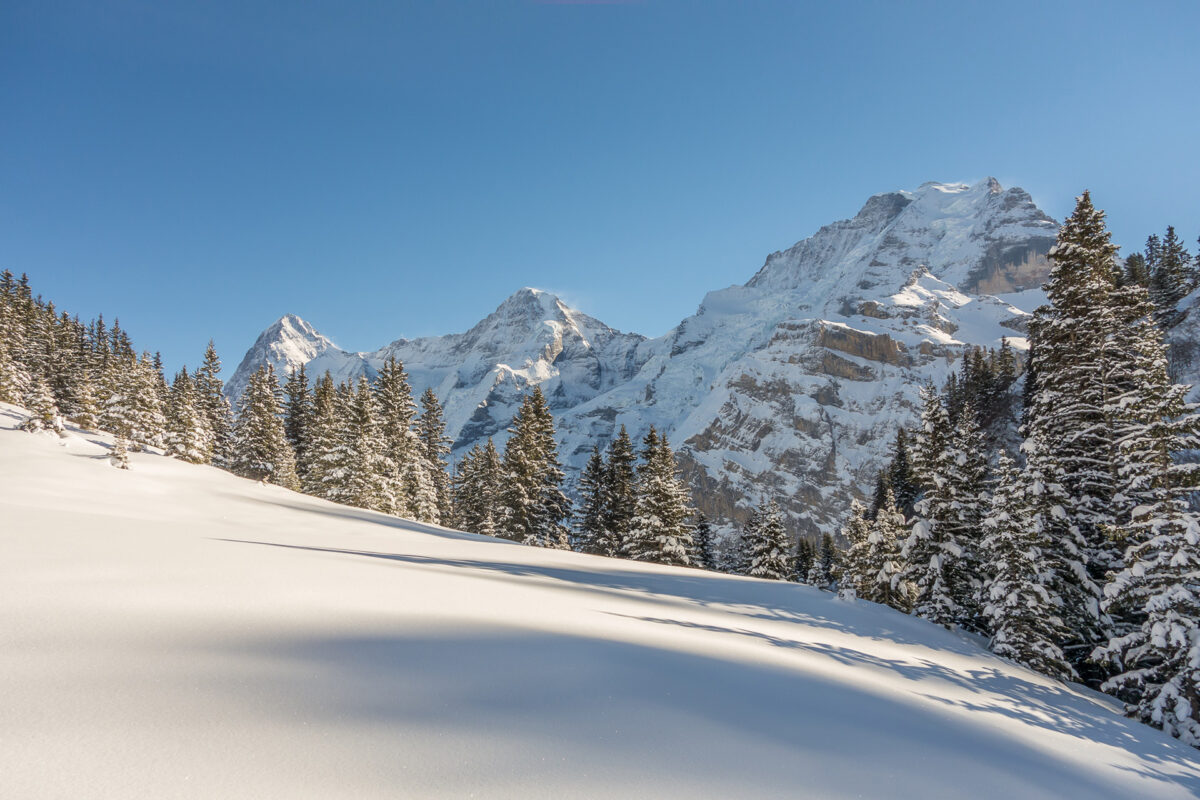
x,y
286,344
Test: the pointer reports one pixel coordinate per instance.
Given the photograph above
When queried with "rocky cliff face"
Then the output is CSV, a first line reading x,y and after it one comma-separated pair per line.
x,y
790,386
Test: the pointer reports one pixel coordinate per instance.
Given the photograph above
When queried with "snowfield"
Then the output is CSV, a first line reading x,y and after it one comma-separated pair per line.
x,y
174,631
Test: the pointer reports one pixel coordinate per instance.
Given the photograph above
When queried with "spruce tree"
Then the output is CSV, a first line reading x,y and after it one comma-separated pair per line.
x,y
43,413
620,494
771,548
370,479
856,573
589,530
826,564
298,412
901,478
702,536
119,457
1022,609
1073,359
659,531
435,447
397,411
535,509
806,556
215,406
260,448
326,472
188,436
1172,278
87,409
885,566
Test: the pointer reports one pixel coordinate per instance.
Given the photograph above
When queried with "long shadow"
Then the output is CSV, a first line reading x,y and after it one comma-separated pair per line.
x,y
1053,707
767,600
565,702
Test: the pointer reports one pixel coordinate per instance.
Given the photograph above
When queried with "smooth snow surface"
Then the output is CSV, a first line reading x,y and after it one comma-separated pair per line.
x,y
174,631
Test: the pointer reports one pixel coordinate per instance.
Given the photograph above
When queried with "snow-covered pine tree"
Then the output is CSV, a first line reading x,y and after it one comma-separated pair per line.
x,y
826,564
188,436
43,413
856,566
1155,598
659,531
937,564
397,411
325,474
1022,609
901,477
87,407
771,547
885,566
1172,278
930,440
371,476
476,490
620,493
212,402
963,500
119,457
297,414
435,447
1072,359
589,525
535,509
806,556
702,537
260,448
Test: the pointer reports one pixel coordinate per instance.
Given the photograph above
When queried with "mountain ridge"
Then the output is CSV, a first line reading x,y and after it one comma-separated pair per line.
x,y
789,385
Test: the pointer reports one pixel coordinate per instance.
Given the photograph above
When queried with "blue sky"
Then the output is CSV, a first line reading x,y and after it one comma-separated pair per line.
x,y
399,169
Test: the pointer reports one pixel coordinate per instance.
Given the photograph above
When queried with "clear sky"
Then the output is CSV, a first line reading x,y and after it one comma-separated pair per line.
x,y
388,169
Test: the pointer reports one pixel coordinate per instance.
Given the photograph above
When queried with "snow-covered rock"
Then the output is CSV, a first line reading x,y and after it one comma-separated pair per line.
x,y
789,386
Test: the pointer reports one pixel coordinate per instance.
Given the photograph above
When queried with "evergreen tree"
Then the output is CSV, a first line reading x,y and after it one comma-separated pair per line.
x,y
397,411
589,530
620,494
826,563
930,439
435,447
119,457
901,478
43,413
370,482
87,407
1173,276
806,556
1020,604
212,402
188,436
535,510
856,571
326,472
298,412
771,548
702,536
885,567
1136,273
1073,356
260,448
659,530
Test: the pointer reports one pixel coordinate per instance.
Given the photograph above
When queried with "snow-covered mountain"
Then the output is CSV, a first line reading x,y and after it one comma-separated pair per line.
x,y
285,345
791,385
175,631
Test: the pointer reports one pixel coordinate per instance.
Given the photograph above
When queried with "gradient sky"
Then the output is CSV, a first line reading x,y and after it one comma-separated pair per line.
x,y
389,169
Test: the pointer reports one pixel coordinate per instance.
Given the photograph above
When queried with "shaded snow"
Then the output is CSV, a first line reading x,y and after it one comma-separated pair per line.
x,y
176,631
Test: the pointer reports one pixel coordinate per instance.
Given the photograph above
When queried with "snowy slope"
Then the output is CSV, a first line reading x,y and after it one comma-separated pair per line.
x,y
790,386
174,631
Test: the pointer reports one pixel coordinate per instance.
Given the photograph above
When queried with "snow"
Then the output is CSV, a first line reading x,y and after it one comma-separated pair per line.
x,y
176,631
